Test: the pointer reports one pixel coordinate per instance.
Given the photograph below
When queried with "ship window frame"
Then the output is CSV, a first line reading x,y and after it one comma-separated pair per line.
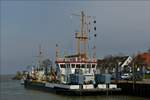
x,y
68,65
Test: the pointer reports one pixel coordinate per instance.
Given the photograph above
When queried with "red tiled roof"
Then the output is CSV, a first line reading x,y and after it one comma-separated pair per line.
x,y
146,57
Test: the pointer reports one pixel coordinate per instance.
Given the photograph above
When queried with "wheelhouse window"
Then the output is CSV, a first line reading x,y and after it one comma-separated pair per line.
x,y
62,66
93,66
78,66
88,66
73,65
82,66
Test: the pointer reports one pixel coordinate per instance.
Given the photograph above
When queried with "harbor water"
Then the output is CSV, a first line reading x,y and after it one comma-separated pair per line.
x,y
12,90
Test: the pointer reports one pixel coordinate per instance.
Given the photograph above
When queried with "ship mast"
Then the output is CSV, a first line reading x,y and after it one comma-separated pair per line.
x,y
57,52
95,35
82,37
40,57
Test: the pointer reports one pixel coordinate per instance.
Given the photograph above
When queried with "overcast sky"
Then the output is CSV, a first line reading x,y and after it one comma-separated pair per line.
x,y
122,27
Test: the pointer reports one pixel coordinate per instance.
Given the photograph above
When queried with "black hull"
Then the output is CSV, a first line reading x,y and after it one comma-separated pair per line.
x,y
69,92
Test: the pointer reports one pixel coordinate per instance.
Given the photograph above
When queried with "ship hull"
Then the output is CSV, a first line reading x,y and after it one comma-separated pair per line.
x,y
69,92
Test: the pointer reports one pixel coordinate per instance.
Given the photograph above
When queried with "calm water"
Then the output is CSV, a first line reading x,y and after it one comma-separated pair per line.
x,y
12,90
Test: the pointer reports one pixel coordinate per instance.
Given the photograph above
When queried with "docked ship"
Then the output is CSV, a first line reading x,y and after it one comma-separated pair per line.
x,y
74,74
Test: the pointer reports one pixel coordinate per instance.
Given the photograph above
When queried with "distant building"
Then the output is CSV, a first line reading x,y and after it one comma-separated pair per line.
x,y
145,58
112,63
125,62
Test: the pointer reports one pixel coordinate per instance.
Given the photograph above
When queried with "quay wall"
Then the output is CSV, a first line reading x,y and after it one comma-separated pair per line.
x,y
135,89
